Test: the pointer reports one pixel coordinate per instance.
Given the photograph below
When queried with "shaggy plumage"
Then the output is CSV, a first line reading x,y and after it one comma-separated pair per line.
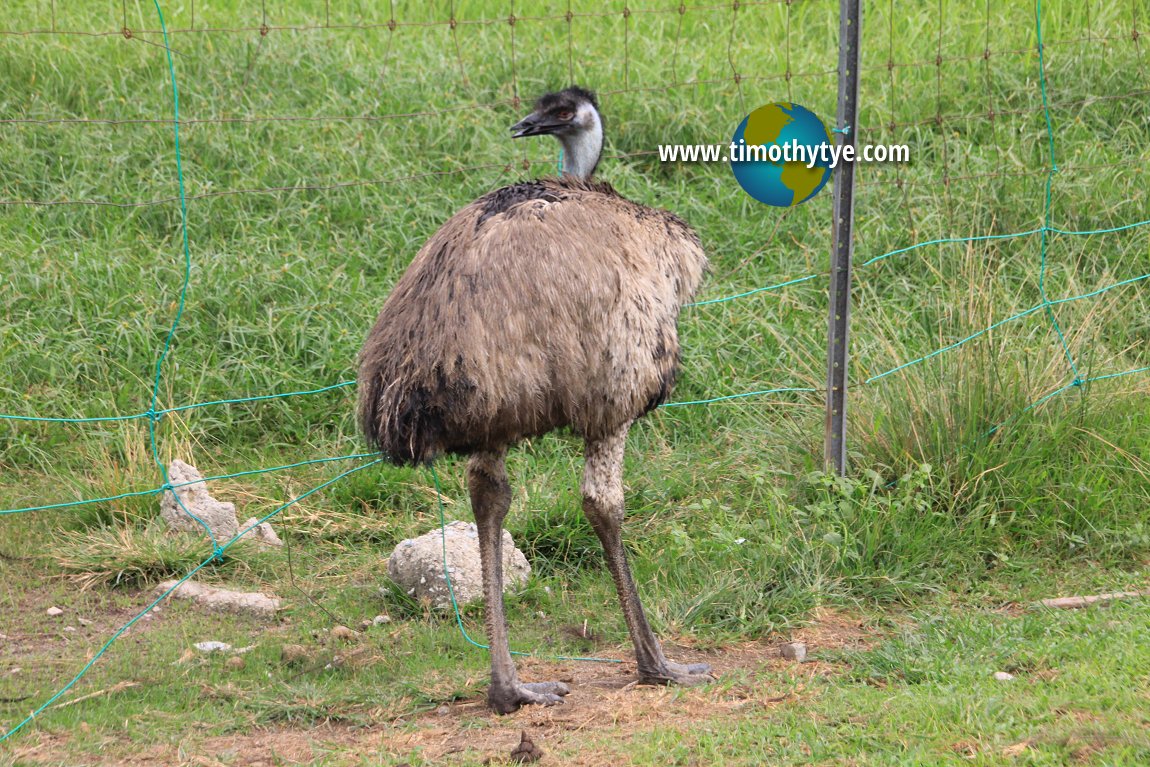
x,y
540,305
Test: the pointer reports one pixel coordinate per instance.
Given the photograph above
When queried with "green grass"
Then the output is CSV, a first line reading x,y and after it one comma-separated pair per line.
x,y
928,696
733,533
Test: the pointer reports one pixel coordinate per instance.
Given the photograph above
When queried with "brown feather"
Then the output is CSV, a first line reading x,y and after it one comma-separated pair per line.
x,y
546,304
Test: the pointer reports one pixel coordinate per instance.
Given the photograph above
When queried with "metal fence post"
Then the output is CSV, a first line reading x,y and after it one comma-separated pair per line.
x,y
838,341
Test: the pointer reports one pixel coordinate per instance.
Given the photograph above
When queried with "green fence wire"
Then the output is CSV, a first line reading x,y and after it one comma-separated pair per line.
x,y
154,415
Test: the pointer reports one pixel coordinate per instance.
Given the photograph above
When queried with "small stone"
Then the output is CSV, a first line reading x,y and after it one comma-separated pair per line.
x,y
194,499
260,532
1003,676
69,628
235,663
541,615
212,646
417,565
54,611
291,654
442,711
526,751
85,621
263,605
365,624
343,632
379,620
794,651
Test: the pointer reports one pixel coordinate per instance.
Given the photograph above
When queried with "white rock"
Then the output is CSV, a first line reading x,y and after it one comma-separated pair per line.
x,y
212,646
54,611
796,651
69,628
379,620
260,533
417,565
1003,676
262,605
219,516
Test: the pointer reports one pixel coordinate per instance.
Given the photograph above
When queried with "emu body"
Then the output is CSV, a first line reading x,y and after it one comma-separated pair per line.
x,y
542,305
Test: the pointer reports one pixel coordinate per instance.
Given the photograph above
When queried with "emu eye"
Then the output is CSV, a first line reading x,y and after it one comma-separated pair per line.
x,y
566,114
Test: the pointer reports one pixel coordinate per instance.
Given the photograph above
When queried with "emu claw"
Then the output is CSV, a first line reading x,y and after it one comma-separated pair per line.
x,y
508,700
685,674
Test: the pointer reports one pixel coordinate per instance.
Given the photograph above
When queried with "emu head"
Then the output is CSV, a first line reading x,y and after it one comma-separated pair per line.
x,y
571,116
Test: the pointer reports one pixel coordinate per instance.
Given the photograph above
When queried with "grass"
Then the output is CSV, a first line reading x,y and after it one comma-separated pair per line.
x,y
928,696
734,534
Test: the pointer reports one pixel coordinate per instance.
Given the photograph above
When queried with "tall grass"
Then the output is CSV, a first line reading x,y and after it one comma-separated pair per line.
x,y
731,530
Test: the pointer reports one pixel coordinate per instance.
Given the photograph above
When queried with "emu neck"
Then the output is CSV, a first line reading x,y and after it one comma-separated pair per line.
x,y
581,150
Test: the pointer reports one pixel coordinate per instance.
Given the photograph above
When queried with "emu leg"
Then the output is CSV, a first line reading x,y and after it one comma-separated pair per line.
x,y
490,500
603,505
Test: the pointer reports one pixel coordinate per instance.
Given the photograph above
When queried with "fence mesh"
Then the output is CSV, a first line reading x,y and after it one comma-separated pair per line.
x,y
1025,197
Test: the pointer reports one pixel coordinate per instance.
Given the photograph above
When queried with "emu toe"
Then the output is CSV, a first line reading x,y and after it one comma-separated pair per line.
x,y
507,700
685,674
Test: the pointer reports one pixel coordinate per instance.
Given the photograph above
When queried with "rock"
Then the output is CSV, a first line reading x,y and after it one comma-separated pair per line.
x,y
54,611
84,621
235,663
416,565
219,516
526,751
795,651
292,654
1003,676
442,711
69,628
262,605
261,533
344,633
210,647
379,620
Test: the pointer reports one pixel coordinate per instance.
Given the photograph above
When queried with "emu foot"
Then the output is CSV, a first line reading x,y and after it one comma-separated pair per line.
x,y
686,674
505,700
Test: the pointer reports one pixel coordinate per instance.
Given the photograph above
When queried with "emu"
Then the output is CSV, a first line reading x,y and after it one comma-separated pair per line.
x,y
545,304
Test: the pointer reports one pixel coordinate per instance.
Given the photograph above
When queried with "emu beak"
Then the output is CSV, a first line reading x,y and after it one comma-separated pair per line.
x,y
534,125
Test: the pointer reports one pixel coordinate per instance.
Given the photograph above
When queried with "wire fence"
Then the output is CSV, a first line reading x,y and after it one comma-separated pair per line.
x,y
994,107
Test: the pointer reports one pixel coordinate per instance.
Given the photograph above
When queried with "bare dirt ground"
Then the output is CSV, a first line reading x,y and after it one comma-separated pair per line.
x,y
605,706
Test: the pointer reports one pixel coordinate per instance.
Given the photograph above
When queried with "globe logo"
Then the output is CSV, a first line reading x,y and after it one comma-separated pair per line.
x,y
776,156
